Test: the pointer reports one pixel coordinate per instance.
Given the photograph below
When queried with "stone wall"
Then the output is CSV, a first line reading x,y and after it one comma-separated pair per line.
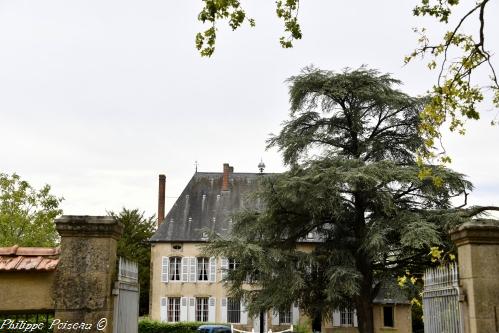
x,y
478,256
87,270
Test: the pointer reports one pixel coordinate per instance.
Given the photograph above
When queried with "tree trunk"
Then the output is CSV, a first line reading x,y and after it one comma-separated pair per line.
x,y
364,315
363,302
317,323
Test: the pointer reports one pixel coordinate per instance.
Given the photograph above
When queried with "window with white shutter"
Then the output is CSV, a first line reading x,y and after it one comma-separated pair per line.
x,y
185,269
212,309
213,269
164,269
223,308
336,318
224,266
275,317
192,269
192,309
163,309
244,314
183,309
295,315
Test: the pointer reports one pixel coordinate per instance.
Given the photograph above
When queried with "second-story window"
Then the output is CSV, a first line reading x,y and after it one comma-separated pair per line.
x,y
175,268
203,268
232,264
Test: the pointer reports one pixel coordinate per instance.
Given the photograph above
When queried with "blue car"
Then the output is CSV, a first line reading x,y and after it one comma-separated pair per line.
x,y
213,329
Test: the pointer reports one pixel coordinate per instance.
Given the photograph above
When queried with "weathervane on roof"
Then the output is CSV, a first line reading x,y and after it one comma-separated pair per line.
x,y
261,166
196,165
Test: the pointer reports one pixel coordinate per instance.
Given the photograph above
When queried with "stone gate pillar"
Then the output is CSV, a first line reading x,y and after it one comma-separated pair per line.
x,y
86,272
478,256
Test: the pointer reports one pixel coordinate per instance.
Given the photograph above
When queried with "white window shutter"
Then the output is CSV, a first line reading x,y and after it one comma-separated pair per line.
x,y
213,269
244,314
183,309
192,309
212,309
192,269
223,308
275,317
164,269
224,266
355,324
163,310
336,318
295,313
185,269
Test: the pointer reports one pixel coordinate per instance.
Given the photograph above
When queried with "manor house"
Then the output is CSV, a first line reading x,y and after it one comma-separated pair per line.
x,y
187,286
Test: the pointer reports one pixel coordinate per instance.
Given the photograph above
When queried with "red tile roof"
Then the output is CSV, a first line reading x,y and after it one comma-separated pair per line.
x,y
17,258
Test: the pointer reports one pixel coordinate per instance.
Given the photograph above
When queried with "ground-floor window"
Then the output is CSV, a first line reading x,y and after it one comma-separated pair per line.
x,y
388,317
174,309
346,317
202,309
233,310
285,317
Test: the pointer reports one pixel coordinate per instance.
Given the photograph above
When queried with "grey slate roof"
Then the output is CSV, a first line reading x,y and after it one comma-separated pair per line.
x,y
204,206
391,293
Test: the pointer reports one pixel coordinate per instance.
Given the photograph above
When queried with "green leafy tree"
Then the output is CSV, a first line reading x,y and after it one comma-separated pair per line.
x,y
457,55
351,147
27,214
134,245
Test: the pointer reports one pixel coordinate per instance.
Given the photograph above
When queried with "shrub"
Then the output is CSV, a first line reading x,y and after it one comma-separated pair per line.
x,y
153,326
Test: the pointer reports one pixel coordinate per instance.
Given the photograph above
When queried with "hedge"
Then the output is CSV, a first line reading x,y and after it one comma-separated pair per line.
x,y
153,326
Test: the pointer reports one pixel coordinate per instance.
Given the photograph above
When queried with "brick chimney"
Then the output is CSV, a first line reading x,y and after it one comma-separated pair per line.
x,y
225,180
161,199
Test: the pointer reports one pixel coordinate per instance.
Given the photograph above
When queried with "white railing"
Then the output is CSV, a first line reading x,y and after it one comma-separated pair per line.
x,y
441,294
128,270
253,330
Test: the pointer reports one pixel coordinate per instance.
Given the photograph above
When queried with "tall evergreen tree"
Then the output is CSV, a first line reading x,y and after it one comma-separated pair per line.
x,y
353,180
134,245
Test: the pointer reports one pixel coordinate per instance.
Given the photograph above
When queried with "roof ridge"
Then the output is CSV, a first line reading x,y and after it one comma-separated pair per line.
x,y
30,251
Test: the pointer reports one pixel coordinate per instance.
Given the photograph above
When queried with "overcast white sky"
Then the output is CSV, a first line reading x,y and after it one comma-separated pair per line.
x,y
97,97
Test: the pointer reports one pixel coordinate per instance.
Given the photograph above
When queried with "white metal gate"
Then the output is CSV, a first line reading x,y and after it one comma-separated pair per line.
x,y
441,295
126,301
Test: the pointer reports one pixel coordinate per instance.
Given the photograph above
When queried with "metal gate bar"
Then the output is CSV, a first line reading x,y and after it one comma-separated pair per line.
x,y
441,307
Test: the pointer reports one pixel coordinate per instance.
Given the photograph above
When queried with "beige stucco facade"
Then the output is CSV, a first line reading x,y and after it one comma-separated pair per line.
x,y
216,291
177,288
402,321
26,291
